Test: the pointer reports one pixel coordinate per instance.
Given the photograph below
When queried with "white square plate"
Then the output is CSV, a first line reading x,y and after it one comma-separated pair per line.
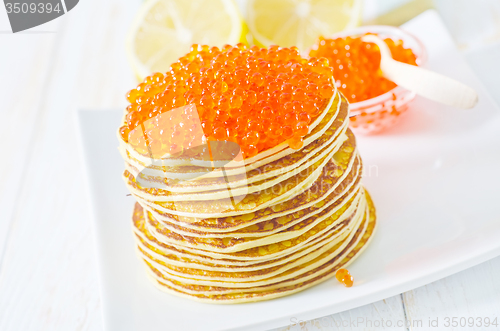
x,y
434,178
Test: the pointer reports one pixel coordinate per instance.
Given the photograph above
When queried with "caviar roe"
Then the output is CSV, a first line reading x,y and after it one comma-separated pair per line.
x,y
344,277
356,65
256,97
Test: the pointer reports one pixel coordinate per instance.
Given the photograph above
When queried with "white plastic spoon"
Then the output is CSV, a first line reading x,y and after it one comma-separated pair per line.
x,y
422,81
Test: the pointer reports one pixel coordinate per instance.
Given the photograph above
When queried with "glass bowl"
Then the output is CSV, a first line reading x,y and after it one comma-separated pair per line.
x,y
381,112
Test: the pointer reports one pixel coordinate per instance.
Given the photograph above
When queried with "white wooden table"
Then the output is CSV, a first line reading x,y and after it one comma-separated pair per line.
x,y
48,277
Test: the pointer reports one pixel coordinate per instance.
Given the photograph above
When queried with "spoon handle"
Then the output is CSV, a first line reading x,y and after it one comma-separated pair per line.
x,y
424,82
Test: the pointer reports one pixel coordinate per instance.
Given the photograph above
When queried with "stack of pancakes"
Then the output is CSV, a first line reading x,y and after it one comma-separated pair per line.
x,y
275,224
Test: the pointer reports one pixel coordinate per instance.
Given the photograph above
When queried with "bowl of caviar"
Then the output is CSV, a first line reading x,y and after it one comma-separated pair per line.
x,y
376,103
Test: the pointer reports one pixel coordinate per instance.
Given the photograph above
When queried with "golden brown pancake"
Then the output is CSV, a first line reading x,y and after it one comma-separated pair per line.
x,y
317,129
281,222
276,218
285,190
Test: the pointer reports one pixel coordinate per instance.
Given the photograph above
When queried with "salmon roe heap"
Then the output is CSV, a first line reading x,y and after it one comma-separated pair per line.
x,y
344,277
356,65
256,97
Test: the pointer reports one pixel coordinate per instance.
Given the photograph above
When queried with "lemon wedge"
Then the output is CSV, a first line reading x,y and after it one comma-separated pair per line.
x,y
164,30
300,22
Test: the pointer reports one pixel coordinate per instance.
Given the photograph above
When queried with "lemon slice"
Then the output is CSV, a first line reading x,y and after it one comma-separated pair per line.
x,y
300,22
164,30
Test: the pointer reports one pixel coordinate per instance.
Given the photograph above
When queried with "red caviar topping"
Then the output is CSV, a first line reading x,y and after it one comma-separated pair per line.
x,y
254,96
356,66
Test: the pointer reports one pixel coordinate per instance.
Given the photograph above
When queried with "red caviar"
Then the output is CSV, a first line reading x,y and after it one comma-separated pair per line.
x,y
356,65
344,277
254,96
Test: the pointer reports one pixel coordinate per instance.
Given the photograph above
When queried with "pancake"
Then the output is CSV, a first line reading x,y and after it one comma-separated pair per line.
x,y
196,259
228,244
336,177
243,188
150,245
281,168
197,275
321,232
234,205
225,295
338,231
283,219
